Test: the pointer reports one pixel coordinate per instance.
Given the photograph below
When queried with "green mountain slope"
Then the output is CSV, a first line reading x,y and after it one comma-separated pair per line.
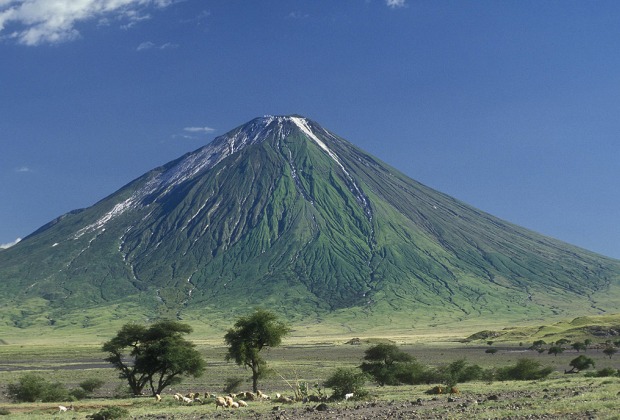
x,y
281,213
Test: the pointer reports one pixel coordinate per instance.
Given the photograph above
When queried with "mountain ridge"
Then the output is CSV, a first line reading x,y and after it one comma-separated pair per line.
x,y
280,212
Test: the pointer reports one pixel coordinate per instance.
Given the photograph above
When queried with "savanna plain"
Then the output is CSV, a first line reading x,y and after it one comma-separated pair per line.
x,y
310,360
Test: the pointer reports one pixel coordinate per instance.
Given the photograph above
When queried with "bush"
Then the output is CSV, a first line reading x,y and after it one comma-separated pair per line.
x,y
525,369
603,373
55,392
92,384
345,381
31,388
412,373
389,365
456,372
78,393
4,412
232,385
110,413
122,391
399,373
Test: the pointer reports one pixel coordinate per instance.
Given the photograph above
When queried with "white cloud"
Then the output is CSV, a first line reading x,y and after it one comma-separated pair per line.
x,y
145,46
10,244
205,130
35,22
23,169
395,4
148,45
168,46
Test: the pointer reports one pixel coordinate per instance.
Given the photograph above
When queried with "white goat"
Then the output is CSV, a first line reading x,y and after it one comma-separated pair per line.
x,y
63,409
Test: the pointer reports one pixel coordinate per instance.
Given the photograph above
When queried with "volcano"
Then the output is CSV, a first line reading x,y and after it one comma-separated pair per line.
x,y
283,214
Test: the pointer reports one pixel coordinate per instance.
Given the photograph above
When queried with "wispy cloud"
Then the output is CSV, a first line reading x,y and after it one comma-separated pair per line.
x,y
204,130
396,4
23,169
148,45
36,22
10,244
194,133
145,46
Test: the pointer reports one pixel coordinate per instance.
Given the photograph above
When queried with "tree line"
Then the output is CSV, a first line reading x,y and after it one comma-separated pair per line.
x,y
158,356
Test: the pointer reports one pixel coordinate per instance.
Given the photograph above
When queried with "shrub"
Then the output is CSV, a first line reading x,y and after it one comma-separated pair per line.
x,y
232,385
345,381
109,413
389,365
31,388
92,384
4,412
412,373
122,391
603,373
399,373
456,372
525,369
55,392
78,393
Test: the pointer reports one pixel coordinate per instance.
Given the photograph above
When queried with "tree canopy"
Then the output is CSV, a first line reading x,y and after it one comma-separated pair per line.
x,y
580,363
389,365
156,356
249,336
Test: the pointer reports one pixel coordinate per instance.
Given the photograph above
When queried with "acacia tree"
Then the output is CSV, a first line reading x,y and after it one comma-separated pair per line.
x,y
389,365
610,351
577,345
580,363
156,356
249,336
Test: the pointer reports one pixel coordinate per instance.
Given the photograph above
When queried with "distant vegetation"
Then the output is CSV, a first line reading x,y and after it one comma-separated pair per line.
x,y
367,371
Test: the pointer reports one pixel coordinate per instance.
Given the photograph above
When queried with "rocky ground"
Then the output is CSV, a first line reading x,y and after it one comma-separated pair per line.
x,y
544,404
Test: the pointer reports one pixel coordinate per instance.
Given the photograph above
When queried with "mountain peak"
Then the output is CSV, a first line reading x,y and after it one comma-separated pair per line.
x,y
280,212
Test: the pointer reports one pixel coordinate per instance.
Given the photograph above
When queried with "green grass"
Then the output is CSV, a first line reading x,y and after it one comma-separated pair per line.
x,y
312,361
577,329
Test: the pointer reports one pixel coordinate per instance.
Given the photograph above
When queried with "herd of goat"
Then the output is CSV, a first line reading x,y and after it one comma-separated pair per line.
x,y
230,400
236,400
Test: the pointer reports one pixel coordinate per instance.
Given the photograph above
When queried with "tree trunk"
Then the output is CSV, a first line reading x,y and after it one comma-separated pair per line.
x,y
254,380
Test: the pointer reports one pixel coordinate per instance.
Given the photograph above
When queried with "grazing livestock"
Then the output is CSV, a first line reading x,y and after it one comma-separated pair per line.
x,y
157,397
220,402
234,404
247,395
348,396
242,403
63,409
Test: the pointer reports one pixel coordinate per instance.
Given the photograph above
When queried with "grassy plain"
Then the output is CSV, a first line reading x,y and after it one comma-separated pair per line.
x,y
312,359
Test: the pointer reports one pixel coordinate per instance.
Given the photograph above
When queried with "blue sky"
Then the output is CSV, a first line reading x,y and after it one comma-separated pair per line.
x,y
510,106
